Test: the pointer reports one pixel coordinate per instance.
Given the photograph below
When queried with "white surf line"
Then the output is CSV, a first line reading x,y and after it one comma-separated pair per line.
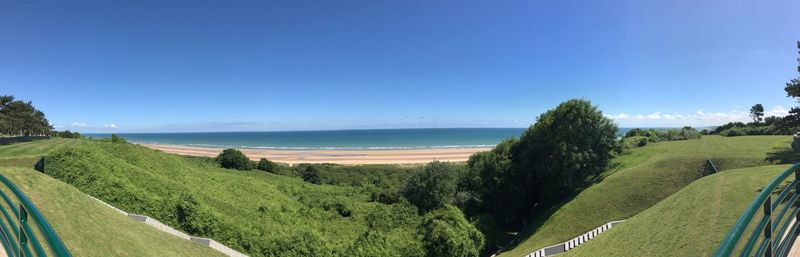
x,y
572,243
169,230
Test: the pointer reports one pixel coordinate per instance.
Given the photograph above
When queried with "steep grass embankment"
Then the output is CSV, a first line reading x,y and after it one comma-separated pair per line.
x,y
691,222
89,228
258,213
641,178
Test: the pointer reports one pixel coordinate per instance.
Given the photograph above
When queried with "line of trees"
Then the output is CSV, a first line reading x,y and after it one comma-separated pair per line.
x,y
20,118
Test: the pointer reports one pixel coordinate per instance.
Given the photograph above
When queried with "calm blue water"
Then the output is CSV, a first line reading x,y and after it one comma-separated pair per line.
x,y
336,139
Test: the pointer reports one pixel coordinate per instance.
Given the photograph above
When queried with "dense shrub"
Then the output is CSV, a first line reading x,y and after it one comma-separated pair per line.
x,y
257,213
117,139
234,159
489,168
641,137
266,165
67,134
446,233
432,187
311,175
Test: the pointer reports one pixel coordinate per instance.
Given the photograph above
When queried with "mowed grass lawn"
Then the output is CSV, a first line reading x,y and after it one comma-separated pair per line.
x,y
28,153
691,222
641,178
89,228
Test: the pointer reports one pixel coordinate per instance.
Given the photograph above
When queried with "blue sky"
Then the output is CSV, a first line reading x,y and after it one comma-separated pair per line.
x,y
152,66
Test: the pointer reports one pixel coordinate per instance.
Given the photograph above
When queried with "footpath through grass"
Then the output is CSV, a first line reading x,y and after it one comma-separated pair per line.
x,y
691,222
640,179
89,228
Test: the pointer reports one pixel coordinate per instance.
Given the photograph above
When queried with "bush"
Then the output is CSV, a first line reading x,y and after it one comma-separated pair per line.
x,y
432,187
117,139
311,175
446,233
266,165
234,159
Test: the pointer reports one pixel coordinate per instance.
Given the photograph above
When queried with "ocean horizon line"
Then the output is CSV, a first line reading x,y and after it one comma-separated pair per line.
x,y
350,139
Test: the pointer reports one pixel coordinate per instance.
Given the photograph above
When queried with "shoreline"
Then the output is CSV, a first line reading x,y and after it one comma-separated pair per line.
x,y
338,156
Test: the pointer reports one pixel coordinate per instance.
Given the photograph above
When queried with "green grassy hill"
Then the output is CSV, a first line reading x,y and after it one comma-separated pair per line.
x,y
28,153
259,213
691,222
640,179
89,228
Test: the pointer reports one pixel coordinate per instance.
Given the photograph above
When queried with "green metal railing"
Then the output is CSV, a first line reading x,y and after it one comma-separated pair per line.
x,y
16,234
773,232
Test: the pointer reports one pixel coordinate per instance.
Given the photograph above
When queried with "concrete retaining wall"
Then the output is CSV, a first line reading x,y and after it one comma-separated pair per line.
x,y
572,243
163,227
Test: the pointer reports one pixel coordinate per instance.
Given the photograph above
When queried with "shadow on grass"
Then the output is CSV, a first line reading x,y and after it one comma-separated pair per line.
x,y
540,218
783,156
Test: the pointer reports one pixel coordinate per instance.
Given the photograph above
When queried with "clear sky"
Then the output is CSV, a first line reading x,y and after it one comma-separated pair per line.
x,y
149,66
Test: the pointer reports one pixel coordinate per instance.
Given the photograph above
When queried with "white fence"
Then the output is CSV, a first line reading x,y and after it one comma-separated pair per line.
x,y
169,230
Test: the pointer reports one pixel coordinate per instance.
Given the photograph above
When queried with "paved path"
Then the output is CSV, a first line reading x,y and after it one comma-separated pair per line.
x,y
2,252
795,251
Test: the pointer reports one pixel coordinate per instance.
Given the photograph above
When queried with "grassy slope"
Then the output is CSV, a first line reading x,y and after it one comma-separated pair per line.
x,y
692,222
259,213
90,229
26,154
639,180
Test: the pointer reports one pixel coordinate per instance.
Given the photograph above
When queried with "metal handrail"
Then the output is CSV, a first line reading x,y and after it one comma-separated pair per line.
x,y
18,239
772,242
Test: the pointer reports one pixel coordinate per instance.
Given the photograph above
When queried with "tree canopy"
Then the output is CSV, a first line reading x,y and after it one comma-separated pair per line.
x,y
233,159
432,187
18,117
757,113
793,90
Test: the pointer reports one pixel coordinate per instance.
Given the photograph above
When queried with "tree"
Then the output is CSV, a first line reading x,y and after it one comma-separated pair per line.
x,y
233,159
432,187
22,118
266,165
793,90
557,155
757,113
311,175
445,233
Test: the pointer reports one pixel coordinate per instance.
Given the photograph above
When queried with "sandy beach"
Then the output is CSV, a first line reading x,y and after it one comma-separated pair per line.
x,y
406,156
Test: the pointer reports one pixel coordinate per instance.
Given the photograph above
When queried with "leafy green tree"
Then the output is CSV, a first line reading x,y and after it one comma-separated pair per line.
x,y
432,187
793,90
446,233
757,113
557,154
22,118
489,169
266,165
233,159
311,175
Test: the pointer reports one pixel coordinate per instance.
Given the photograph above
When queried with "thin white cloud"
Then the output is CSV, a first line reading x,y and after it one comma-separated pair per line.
x,y
82,125
698,118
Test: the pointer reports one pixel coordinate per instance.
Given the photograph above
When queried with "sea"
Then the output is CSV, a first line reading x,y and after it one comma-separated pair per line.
x,y
357,139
